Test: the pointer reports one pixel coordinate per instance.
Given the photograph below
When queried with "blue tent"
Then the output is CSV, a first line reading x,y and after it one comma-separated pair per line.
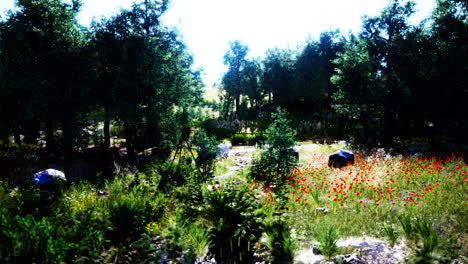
x,y
48,176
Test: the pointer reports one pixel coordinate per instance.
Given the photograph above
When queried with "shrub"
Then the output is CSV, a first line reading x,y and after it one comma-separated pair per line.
x,y
327,239
207,150
247,139
129,213
391,233
27,239
214,128
429,237
280,242
236,222
170,175
198,238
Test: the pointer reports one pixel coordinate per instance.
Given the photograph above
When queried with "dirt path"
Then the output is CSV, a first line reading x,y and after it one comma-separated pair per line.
x,y
242,157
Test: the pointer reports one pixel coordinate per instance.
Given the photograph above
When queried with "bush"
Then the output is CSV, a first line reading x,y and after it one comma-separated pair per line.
x,y
117,131
186,239
207,150
212,128
129,212
170,175
327,239
247,139
280,242
236,222
27,239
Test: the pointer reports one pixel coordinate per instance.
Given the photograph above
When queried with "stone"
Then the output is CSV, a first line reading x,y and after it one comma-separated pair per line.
x,y
323,210
353,259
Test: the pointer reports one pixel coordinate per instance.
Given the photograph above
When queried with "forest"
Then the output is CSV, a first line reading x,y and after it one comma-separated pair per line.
x,y
119,108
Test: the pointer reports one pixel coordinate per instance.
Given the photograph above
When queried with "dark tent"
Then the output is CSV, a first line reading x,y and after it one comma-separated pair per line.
x,y
340,159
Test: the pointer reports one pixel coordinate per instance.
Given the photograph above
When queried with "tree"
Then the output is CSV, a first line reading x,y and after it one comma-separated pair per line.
x,y
147,67
277,158
359,89
447,74
41,53
313,69
384,36
235,60
250,83
278,76
373,74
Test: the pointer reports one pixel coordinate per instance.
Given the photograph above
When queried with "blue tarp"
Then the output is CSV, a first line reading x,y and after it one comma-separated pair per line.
x,y
341,158
344,154
47,176
223,150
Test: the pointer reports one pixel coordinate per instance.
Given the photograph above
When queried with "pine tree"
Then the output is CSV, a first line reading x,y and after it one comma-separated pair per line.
x,y
277,158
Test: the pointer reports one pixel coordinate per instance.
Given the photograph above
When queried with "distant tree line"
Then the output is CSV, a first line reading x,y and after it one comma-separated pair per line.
x,y
390,82
58,77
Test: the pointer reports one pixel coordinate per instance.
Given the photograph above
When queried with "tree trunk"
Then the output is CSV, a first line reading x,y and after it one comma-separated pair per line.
x,y
67,147
16,134
107,117
31,132
4,133
130,142
51,145
237,104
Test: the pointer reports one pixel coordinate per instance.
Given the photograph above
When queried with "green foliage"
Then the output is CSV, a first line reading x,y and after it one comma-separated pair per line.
x,y
235,218
131,207
276,159
118,131
173,174
429,237
206,149
280,242
327,238
27,239
408,227
198,238
391,233
247,139
235,60
221,129
125,63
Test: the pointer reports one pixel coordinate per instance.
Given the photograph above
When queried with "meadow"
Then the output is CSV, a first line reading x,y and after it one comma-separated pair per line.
x,y
169,213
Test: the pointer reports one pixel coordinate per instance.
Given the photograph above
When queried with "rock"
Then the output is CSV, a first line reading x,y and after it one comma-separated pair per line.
x,y
316,251
205,260
101,193
326,261
323,210
352,259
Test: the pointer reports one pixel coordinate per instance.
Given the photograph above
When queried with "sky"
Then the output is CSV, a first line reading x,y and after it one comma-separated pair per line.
x,y
207,26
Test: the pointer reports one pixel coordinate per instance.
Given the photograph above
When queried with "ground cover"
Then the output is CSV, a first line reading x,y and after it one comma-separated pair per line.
x,y
381,196
413,206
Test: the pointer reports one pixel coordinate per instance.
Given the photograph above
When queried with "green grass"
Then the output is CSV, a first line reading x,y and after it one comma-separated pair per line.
x,y
417,200
221,165
369,197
